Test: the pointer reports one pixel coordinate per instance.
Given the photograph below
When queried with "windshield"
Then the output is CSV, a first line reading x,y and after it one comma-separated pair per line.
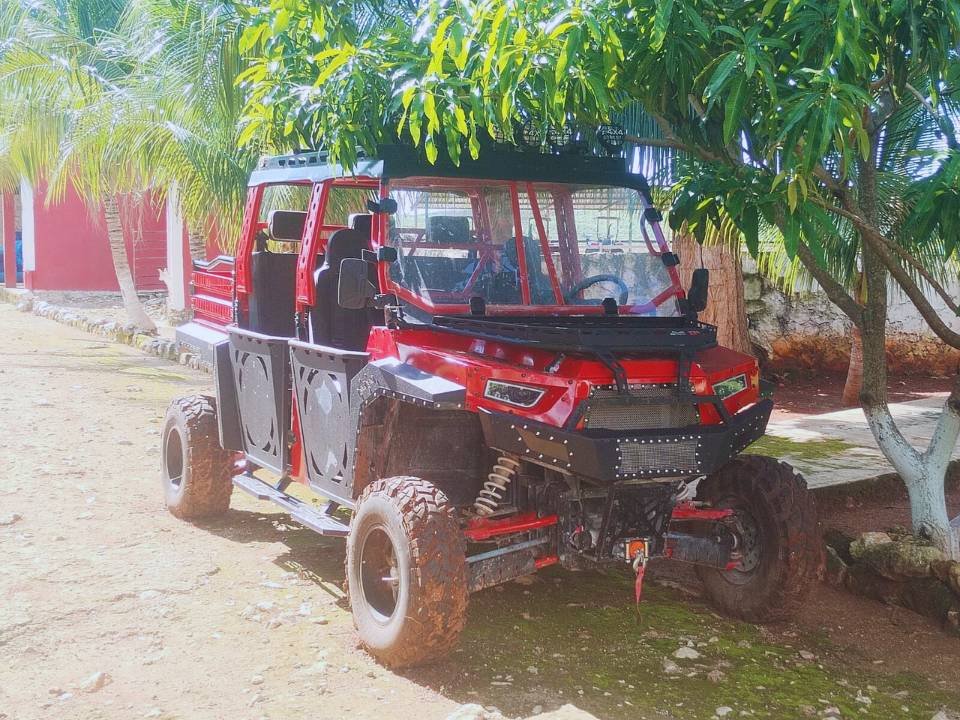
x,y
520,246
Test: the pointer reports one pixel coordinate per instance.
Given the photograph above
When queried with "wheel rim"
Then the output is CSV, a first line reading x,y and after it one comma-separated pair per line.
x,y
173,459
749,544
379,574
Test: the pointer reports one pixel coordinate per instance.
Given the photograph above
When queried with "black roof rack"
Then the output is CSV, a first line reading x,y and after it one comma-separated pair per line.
x,y
495,163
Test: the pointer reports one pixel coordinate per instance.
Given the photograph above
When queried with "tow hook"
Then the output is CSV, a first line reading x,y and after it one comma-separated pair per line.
x,y
636,553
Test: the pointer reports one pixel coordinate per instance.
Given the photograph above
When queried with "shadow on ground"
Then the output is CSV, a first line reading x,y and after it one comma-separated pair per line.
x,y
579,638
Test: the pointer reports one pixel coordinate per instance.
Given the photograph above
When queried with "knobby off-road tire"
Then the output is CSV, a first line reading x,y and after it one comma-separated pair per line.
x,y
406,572
195,470
782,551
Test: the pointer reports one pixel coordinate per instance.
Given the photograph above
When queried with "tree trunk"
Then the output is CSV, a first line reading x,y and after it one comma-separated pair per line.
x,y
121,266
924,474
726,306
198,244
851,389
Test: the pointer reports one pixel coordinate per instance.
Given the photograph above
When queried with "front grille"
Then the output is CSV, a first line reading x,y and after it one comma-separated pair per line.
x,y
640,457
645,407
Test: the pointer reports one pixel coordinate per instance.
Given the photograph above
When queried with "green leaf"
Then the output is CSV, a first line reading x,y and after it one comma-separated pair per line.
x,y
430,110
281,21
570,46
415,124
792,195
251,36
331,67
661,22
733,111
439,41
461,120
720,75
750,225
407,96
474,145
252,126
791,236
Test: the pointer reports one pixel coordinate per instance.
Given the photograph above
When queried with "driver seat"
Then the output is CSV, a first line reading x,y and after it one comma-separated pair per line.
x,y
330,324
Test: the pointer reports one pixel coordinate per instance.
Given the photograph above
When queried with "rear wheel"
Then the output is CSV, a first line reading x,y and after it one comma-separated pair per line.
x,y
406,572
780,549
195,470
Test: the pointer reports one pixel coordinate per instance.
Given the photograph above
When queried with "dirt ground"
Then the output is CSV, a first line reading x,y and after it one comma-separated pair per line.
x,y
245,617
807,393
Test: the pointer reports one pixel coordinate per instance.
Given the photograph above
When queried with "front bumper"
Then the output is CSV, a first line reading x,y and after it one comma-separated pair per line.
x,y
607,457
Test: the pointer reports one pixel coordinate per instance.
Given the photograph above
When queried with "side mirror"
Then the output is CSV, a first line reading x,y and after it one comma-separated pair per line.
x,y
355,291
699,290
387,254
384,205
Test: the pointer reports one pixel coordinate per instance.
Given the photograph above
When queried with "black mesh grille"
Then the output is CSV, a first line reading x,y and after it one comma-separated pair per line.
x,y
637,457
639,410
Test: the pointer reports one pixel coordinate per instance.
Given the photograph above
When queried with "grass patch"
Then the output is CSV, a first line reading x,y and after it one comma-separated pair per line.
x,y
778,447
579,638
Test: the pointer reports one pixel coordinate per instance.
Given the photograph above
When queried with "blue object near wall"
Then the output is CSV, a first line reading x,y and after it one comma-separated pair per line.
x,y
18,247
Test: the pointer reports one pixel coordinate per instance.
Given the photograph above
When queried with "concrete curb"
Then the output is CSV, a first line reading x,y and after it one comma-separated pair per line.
x,y
888,486
125,334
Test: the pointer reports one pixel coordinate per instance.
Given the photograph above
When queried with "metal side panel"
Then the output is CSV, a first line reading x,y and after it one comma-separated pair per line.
x,y
322,379
228,410
261,377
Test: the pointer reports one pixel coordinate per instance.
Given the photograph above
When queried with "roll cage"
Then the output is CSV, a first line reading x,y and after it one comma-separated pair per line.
x,y
544,179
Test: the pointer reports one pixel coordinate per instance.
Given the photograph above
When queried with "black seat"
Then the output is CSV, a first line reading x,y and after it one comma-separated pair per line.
x,y
362,223
286,225
331,324
273,303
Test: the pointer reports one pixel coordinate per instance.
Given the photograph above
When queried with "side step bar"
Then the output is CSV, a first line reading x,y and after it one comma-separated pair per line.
x,y
302,512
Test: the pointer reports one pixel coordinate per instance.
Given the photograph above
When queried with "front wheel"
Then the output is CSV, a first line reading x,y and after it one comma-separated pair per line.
x,y
195,470
780,550
406,572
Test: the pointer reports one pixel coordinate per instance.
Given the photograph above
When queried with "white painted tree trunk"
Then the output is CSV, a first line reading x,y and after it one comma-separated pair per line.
x,y
173,274
121,266
923,473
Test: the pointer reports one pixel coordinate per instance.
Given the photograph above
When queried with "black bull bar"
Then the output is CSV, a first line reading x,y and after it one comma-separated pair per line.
x,y
611,456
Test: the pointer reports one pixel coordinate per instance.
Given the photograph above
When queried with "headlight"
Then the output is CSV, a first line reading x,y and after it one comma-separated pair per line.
x,y
730,386
520,395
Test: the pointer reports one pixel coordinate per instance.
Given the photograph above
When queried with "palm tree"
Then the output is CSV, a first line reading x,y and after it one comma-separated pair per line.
x,y
121,98
183,105
56,62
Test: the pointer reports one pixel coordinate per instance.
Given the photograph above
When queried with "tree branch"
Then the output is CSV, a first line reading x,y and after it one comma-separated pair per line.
x,y
925,274
827,179
942,120
656,142
881,246
946,432
834,290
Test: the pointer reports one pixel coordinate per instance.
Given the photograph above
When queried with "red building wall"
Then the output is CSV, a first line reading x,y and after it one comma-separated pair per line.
x,y
72,251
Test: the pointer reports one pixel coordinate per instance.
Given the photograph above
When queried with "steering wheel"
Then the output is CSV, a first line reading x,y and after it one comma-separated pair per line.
x,y
593,280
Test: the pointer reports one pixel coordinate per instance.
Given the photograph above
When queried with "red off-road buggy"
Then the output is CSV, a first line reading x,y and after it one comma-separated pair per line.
x,y
495,368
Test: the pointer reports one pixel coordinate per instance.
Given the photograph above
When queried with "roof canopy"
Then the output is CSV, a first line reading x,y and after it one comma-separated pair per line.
x,y
496,163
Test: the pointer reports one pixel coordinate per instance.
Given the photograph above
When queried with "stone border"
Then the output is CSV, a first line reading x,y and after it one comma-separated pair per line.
x,y
123,333
891,567
896,569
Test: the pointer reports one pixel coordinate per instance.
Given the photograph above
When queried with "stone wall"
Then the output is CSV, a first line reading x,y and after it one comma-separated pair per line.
x,y
806,331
